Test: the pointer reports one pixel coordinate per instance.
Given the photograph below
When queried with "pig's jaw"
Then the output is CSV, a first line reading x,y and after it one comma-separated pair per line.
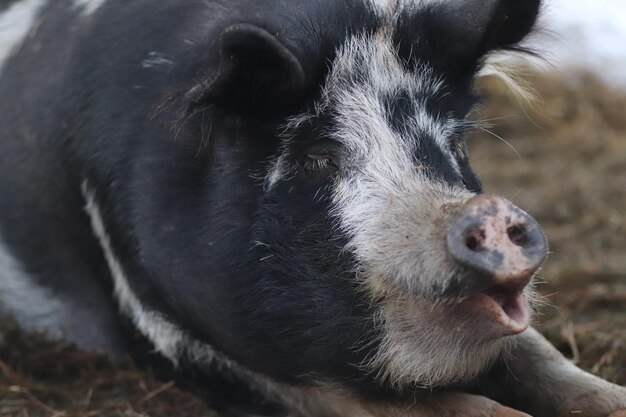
x,y
433,342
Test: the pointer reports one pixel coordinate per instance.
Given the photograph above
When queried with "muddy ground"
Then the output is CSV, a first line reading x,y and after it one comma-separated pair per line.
x,y
563,160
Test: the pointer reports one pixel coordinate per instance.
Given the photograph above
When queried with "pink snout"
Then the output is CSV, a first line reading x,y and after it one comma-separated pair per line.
x,y
493,237
501,247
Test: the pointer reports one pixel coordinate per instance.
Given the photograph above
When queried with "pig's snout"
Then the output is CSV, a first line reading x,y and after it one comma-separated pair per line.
x,y
493,237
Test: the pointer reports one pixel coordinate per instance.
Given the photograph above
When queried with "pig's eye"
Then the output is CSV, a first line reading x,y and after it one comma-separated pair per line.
x,y
316,162
320,157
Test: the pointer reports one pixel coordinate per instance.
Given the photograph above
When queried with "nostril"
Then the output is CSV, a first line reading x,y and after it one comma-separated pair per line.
x,y
475,239
518,234
495,241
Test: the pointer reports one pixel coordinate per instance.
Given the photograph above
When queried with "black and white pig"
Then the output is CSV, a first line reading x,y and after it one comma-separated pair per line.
x,y
278,194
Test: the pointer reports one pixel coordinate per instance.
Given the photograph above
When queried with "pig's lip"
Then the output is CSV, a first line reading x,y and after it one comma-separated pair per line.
x,y
508,309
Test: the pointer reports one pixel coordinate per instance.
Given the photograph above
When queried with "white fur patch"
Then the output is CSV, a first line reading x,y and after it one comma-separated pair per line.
x,y
15,24
88,7
32,306
384,202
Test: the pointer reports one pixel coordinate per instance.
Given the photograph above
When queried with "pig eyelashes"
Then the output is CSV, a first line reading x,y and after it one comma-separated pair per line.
x,y
321,155
318,162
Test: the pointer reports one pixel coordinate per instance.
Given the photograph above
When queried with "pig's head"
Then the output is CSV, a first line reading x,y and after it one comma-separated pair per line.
x,y
363,251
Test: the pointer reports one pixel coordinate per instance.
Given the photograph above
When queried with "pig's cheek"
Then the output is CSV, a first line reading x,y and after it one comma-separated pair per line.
x,y
456,320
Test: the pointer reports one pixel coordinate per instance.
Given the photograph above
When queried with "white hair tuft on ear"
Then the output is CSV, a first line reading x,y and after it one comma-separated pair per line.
x,y
513,70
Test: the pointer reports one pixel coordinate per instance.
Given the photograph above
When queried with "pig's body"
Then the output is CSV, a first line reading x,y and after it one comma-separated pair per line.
x,y
278,195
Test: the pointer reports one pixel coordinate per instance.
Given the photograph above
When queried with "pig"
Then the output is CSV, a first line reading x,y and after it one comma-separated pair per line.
x,y
277,196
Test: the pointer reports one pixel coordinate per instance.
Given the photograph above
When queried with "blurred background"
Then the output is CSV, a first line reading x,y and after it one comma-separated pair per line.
x,y
561,157
586,35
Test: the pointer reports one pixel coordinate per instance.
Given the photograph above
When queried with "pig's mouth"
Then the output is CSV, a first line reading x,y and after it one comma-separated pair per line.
x,y
506,307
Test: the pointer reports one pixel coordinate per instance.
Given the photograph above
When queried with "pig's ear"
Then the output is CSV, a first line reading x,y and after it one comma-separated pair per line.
x,y
471,29
256,70
498,23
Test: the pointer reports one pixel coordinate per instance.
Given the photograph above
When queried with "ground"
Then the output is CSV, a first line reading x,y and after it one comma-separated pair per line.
x,y
563,159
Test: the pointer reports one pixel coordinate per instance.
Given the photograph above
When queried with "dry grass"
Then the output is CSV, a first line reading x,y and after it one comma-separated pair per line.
x,y
52,379
568,169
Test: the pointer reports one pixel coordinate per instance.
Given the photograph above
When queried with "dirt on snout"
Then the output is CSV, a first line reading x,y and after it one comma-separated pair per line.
x,y
563,161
